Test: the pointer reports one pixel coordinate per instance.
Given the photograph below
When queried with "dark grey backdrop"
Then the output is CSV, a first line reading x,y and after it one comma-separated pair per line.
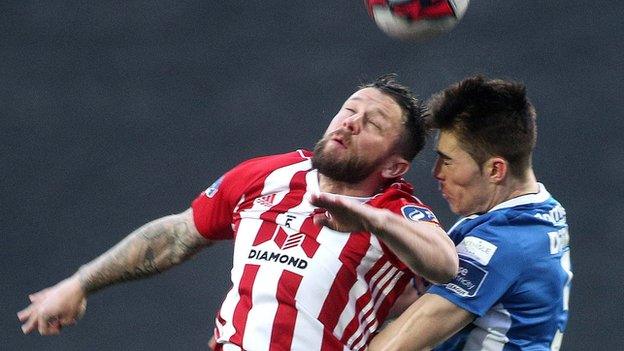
x,y
117,112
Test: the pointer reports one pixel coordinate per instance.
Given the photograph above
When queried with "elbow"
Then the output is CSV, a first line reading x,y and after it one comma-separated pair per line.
x,y
448,268
449,262
452,267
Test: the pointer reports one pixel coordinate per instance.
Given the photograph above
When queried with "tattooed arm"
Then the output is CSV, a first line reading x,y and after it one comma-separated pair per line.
x,y
151,249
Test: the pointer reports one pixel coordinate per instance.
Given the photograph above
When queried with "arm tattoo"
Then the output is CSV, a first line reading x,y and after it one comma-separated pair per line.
x,y
148,250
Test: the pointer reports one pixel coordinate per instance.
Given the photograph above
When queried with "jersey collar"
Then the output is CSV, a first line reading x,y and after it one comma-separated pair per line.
x,y
541,196
315,188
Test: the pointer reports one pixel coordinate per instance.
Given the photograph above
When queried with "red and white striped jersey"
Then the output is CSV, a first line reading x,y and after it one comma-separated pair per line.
x,y
297,286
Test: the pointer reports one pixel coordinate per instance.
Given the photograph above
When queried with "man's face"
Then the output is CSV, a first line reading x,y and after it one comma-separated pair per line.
x,y
361,136
461,180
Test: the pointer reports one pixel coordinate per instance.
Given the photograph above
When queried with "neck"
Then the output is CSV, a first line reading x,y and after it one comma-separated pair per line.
x,y
361,189
513,187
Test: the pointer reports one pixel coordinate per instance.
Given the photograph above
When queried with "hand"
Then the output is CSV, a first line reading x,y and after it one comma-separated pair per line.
x,y
343,214
54,307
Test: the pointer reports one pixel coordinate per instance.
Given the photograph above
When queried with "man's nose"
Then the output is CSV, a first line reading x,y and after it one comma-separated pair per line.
x,y
353,123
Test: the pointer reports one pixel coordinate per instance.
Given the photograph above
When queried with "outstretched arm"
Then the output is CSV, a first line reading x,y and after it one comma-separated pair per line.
x,y
151,249
424,247
426,323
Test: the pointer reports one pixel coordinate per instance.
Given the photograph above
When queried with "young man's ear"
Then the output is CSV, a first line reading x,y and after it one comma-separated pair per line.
x,y
496,169
396,167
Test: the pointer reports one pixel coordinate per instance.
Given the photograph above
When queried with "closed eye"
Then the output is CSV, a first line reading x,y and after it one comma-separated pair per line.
x,y
373,123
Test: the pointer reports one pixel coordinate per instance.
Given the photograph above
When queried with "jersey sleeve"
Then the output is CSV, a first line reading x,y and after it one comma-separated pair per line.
x,y
489,263
213,209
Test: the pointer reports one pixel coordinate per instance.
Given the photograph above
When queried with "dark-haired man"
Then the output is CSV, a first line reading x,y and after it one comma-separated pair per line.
x,y
302,278
512,289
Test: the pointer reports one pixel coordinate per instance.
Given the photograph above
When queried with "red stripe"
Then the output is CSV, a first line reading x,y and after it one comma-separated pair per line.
x,y
293,198
265,233
386,304
309,228
379,295
259,166
355,322
280,237
286,315
364,299
241,311
338,297
394,294
376,267
310,245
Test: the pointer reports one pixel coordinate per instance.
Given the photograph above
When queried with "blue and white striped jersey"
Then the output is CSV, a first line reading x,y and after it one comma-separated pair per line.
x,y
514,275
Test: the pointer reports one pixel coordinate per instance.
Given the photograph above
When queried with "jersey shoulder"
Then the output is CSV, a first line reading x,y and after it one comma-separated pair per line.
x,y
271,162
399,198
518,233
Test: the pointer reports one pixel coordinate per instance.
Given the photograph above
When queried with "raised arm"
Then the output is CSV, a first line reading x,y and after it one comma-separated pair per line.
x,y
424,247
151,249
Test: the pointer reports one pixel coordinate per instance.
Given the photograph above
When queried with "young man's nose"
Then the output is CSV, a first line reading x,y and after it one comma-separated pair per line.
x,y
436,170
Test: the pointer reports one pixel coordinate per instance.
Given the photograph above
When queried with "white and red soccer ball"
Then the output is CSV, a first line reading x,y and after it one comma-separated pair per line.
x,y
416,19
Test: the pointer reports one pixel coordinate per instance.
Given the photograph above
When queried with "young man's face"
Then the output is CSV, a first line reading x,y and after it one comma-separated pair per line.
x,y
461,181
361,136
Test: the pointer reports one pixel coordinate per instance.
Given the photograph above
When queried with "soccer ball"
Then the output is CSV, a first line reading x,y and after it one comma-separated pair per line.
x,y
416,19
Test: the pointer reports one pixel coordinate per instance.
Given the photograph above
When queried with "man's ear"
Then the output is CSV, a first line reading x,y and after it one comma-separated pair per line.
x,y
395,167
496,169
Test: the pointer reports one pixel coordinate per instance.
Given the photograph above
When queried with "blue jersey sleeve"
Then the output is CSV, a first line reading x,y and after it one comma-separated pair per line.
x,y
489,263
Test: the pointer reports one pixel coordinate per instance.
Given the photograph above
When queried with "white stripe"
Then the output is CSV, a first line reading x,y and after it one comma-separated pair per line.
x,y
246,234
384,279
241,249
384,275
359,288
279,180
231,347
314,289
490,332
301,211
259,321
302,154
370,328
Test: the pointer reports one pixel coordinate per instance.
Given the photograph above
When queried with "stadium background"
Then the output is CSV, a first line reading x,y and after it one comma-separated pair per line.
x,y
114,113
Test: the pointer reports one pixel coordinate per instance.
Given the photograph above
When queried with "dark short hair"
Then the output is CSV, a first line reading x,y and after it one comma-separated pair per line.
x,y
490,117
414,135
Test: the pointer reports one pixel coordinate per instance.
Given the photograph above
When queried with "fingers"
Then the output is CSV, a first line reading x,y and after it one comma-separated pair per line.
x,y
44,316
30,325
319,200
25,313
48,325
334,203
322,219
54,327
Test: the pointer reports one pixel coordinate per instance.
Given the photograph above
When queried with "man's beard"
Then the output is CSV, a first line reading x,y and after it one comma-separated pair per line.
x,y
353,170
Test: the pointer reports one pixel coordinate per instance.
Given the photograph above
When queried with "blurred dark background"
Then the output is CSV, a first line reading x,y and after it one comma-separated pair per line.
x,y
113,113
